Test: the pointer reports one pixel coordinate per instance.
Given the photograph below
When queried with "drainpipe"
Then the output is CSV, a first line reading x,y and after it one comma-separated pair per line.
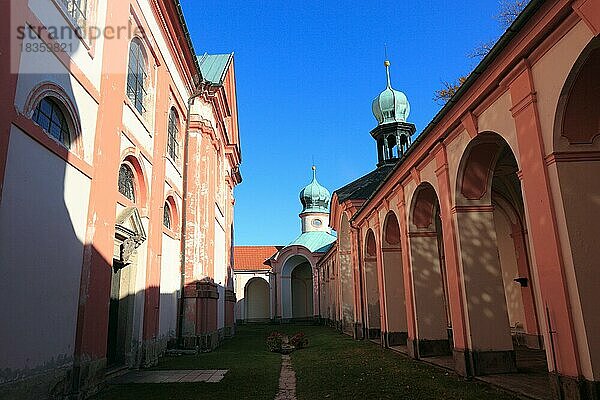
x,y
198,92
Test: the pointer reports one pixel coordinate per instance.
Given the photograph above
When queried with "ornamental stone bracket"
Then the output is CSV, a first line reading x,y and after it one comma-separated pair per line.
x,y
129,235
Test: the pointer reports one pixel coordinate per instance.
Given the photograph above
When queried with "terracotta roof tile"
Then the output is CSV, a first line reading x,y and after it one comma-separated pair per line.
x,y
252,258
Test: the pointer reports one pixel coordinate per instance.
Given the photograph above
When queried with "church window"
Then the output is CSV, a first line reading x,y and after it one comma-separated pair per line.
x,y
136,76
50,117
167,216
126,182
173,134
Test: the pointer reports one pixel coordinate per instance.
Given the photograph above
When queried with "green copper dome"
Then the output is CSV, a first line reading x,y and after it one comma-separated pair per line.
x,y
314,197
391,105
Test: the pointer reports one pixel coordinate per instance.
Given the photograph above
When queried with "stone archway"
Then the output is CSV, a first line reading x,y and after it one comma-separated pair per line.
x,y
291,282
577,162
302,291
397,326
373,320
432,311
500,290
257,300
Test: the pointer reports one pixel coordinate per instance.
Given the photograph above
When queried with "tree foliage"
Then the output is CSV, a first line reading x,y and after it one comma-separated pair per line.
x,y
509,11
449,88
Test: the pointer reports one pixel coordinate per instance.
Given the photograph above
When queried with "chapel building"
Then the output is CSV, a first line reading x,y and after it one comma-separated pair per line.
x,y
119,155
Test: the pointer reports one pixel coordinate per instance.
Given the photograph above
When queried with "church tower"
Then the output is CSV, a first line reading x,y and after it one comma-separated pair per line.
x,y
393,132
315,206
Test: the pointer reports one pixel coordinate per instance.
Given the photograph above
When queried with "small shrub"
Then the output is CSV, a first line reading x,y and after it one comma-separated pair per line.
x,y
275,342
299,340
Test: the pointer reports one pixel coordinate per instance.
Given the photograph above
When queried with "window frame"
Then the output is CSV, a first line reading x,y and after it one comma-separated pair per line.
x,y
173,146
66,136
137,76
76,12
134,188
167,216
66,104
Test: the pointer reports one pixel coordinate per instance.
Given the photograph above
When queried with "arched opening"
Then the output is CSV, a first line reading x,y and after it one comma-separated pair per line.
x,y
346,275
577,149
499,287
295,279
373,321
433,322
302,291
392,147
397,325
257,299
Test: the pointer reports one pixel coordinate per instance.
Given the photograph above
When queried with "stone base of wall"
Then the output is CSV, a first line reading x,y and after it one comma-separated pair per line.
x,y
419,348
358,331
394,338
569,388
229,331
347,328
49,384
151,351
528,340
373,333
204,342
477,363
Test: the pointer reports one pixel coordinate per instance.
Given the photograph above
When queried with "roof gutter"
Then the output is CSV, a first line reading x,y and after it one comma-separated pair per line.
x,y
490,57
188,39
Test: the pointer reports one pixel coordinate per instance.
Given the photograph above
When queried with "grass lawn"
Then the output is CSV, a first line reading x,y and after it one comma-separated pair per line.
x,y
333,367
253,373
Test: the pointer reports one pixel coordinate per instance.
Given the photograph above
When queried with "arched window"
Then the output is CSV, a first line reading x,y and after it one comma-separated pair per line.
x,y
51,118
167,215
136,76
126,184
173,131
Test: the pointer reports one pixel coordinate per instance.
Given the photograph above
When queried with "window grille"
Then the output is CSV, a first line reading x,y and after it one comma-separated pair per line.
x,y
167,216
173,133
77,10
49,116
126,185
136,76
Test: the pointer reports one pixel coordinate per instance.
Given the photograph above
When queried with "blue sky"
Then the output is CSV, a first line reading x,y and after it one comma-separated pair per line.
x,y
306,74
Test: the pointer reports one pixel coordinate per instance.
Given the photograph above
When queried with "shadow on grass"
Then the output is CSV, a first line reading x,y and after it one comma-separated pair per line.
x,y
334,366
253,372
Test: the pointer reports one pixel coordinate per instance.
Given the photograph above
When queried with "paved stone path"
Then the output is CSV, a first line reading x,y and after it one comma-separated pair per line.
x,y
287,380
172,376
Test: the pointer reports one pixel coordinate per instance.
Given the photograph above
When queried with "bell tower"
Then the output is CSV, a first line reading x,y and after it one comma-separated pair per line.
x,y
315,206
393,132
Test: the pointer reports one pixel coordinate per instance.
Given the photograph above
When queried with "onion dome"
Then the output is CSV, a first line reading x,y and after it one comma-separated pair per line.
x,y
314,197
391,105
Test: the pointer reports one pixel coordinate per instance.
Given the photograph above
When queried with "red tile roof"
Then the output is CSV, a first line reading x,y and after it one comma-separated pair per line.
x,y
252,258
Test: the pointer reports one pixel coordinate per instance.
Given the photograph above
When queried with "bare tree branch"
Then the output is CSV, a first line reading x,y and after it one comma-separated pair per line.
x,y
448,90
509,11
482,50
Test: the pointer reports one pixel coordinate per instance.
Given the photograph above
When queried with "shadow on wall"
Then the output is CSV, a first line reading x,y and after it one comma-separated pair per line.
x,y
43,214
57,322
